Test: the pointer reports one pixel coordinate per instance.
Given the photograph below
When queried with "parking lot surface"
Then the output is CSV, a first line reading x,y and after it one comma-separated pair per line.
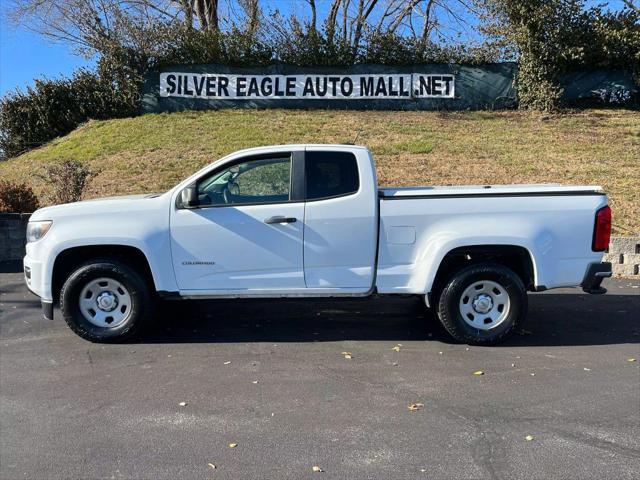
x,y
560,400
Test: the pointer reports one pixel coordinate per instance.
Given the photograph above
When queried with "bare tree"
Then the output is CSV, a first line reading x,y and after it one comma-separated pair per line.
x,y
207,12
90,24
332,18
186,6
251,14
314,15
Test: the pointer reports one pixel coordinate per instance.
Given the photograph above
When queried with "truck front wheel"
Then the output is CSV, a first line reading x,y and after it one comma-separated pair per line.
x,y
482,304
105,301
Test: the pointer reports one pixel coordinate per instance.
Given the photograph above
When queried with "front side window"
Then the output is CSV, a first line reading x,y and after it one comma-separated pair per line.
x,y
265,180
330,174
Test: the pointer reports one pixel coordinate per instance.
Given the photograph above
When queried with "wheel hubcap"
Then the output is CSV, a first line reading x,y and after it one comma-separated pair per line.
x,y
105,302
484,304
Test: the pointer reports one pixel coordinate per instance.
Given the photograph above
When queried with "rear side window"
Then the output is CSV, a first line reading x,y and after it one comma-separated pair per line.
x,y
331,174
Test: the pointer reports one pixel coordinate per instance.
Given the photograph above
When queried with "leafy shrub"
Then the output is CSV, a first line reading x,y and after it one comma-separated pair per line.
x,y
555,37
53,108
68,179
296,45
17,198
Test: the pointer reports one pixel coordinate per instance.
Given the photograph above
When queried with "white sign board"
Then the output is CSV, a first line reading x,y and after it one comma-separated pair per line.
x,y
306,87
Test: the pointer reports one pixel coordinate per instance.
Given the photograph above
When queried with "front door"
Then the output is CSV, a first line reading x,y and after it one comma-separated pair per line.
x,y
245,234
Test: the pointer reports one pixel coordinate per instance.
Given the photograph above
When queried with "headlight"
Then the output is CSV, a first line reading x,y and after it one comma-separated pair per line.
x,y
37,230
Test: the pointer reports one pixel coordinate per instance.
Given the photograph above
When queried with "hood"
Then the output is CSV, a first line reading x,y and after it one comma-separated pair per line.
x,y
96,206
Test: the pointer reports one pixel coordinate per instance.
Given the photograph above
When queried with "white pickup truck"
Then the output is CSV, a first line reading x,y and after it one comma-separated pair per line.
x,y
310,221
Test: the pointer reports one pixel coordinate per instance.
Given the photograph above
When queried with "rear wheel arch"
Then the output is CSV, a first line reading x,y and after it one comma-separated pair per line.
x,y
515,257
482,303
68,260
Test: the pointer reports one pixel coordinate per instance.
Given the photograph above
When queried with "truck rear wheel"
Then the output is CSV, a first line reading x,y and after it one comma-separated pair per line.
x,y
105,301
482,304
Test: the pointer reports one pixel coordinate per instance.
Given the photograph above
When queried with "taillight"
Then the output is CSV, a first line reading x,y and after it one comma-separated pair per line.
x,y
602,230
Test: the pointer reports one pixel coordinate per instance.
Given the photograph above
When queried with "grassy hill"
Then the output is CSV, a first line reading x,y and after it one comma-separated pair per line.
x,y
153,152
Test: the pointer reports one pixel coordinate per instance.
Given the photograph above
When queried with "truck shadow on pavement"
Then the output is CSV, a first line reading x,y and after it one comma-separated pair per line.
x,y
554,320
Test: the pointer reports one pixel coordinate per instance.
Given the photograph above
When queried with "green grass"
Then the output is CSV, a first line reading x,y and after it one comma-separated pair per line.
x,y
153,152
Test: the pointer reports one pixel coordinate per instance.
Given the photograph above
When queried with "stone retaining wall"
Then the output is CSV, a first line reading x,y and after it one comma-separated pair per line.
x,y
13,230
624,255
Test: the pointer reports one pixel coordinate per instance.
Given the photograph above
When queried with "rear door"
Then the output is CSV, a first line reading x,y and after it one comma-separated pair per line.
x,y
341,219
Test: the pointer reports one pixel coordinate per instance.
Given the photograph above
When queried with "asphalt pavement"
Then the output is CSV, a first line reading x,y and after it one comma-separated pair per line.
x,y
561,400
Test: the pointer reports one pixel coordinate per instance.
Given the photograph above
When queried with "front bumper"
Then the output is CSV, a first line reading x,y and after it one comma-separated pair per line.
x,y
33,276
47,309
596,272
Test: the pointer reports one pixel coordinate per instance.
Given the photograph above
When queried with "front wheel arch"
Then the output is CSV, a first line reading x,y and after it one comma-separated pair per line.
x,y
68,260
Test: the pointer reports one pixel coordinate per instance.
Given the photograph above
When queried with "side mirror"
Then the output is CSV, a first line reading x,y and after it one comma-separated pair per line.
x,y
189,197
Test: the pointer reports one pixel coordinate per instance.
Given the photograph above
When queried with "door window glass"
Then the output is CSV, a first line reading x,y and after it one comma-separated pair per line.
x,y
266,180
331,174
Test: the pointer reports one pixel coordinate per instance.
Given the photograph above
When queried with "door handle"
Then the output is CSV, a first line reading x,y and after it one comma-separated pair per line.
x,y
280,219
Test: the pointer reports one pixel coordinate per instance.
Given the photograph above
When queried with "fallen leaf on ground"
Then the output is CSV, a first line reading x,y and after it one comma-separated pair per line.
x,y
479,372
183,404
212,466
396,348
528,438
631,360
347,355
233,445
414,407
227,363
316,468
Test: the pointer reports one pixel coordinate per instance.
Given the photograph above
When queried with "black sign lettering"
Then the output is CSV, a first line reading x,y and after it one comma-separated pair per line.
x,y
346,87
171,82
291,87
223,87
310,86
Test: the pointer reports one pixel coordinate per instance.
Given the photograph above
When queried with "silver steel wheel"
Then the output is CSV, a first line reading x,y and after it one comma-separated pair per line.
x,y
484,304
105,302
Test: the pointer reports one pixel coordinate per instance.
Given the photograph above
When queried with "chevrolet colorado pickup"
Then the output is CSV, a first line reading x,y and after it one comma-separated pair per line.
x,y
311,221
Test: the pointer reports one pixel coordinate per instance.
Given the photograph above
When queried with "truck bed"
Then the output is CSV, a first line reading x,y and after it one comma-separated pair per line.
x,y
553,223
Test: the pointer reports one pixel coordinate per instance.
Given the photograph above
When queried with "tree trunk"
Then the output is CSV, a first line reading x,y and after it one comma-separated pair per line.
x,y
207,12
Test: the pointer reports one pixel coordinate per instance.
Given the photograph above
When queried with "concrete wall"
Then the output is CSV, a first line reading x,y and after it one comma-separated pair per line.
x,y
13,229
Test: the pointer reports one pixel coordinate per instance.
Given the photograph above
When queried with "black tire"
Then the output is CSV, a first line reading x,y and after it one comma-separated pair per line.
x,y
448,306
141,302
